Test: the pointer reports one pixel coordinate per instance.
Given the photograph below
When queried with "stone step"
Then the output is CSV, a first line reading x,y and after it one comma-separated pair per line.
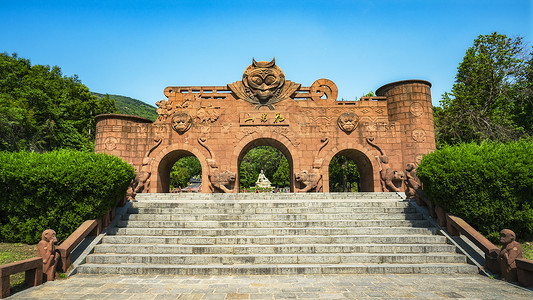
x,y
281,269
253,234
278,249
275,240
264,196
271,210
271,217
269,204
272,231
236,259
273,224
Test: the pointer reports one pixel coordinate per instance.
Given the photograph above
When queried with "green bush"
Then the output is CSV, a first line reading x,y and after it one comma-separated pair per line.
x,y
58,190
490,185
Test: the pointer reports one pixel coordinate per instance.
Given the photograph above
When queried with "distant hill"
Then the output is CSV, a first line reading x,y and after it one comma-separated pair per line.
x,y
129,106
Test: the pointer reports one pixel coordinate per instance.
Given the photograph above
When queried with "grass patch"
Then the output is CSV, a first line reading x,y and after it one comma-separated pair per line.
x,y
11,252
527,250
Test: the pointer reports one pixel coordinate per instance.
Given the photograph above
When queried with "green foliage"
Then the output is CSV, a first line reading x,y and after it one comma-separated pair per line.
x,y
281,177
58,190
343,174
492,95
268,159
129,106
42,110
183,170
179,177
488,185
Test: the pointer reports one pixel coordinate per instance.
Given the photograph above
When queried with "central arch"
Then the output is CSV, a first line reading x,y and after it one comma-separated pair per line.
x,y
266,142
365,166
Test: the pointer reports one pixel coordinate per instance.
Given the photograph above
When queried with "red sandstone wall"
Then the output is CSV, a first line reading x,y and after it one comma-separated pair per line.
x,y
399,121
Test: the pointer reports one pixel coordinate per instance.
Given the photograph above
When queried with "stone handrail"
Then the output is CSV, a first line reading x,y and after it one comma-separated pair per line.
x,y
89,227
33,268
524,268
457,226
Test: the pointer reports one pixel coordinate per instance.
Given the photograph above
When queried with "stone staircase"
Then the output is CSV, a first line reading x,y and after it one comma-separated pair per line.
x,y
250,234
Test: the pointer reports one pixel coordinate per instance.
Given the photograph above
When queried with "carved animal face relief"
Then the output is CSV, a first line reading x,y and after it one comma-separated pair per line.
x,y
181,122
263,83
348,121
263,79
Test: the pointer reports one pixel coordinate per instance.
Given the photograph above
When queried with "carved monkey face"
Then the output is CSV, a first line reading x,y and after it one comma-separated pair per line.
x,y
263,79
181,122
49,235
348,121
507,236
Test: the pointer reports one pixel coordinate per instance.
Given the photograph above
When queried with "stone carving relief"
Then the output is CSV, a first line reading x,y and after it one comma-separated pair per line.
x,y
141,182
324,89
391,181
263,84
160,131
247,131
312,180
419,135
411,180
348,121
110,143
416,109
511,250
309,180
181,122
208,114
163,110
46,250
370,141
218,181
377,124
285,132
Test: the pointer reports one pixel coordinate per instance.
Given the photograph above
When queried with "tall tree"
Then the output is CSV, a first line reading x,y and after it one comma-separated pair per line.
x,y
488,99
42,110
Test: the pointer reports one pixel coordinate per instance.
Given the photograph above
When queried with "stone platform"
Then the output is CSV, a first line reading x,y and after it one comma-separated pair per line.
x,y
347,286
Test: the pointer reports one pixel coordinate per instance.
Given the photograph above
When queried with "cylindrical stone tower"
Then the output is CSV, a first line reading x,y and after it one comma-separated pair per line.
x,y
125,136
409,105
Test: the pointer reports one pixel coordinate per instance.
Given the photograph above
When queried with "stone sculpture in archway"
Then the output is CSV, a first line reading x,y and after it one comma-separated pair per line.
x,y
218,124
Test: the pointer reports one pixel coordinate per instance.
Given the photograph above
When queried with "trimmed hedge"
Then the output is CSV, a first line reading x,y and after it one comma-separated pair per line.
x,y
490,185
58,190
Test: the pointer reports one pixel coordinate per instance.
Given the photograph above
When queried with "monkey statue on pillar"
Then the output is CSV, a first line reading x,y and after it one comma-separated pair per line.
x,y
46,250
511,250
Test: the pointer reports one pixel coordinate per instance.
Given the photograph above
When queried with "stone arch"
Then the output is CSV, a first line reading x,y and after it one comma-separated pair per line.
x,y
277,141
164,161
367,167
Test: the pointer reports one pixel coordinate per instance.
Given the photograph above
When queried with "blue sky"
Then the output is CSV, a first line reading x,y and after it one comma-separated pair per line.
x,y
137,48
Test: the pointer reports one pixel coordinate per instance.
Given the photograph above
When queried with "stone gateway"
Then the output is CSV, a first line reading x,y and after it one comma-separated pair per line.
x,y
220,124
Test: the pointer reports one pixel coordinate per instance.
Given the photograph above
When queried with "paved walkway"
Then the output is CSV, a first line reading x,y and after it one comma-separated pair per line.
x,y
276,287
